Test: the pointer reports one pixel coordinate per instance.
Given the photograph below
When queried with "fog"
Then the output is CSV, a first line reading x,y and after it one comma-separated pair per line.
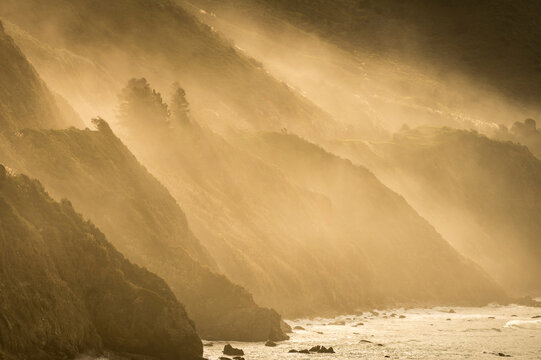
x,y
322,180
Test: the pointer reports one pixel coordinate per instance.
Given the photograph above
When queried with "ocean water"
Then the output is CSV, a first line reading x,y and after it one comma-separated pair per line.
x,y
468,333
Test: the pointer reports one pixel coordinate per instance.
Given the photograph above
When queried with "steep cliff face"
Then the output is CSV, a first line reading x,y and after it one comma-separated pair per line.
x,y
139,216
25,101
84,83
404,258
305,231
104,180
66,290
483,194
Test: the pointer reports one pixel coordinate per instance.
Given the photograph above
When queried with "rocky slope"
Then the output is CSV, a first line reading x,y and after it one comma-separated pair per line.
x,y
105,181
139,216
66,290
482,194
406,259
25,101
306,232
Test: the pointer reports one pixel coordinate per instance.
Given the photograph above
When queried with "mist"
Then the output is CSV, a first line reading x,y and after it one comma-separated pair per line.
x,y
179,176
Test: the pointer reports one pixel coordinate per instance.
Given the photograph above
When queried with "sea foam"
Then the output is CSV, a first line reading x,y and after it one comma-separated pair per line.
x,y
524,324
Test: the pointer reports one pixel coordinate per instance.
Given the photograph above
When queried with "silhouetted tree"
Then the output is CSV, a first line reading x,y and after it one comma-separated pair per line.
x,y
141,107
180,108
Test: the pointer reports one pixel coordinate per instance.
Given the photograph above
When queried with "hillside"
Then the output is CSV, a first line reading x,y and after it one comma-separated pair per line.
x,y
170,45
407,260
143,221
103,179
88,86
323,243
25,100
482,194
496,43
66,290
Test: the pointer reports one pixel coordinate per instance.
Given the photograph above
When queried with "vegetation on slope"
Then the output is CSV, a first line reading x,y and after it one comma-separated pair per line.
x,y
103,179
407,259
495,42
306,232
168,44
486,194
66,290
25,101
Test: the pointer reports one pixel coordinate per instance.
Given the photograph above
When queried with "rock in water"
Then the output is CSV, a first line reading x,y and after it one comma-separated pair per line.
x,y
230,350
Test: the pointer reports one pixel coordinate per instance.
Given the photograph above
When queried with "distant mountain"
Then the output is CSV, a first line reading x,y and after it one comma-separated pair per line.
x,y
231,91
66,290
484,195
25,101
103,179
305,231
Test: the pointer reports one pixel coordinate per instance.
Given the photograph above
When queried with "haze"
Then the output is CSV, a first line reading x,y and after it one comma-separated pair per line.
x,y
182,170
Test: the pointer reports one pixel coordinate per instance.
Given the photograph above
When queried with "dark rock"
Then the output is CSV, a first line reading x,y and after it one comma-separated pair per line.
x,y
536,317
223,358
503,355
286,329
208,344
402,317
293,351
315,348
238,358
270,343
366,341
304,351
299,328
230,350
451,311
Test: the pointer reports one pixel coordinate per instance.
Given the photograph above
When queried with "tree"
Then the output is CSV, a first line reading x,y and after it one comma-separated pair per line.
x,y
180,108
141,107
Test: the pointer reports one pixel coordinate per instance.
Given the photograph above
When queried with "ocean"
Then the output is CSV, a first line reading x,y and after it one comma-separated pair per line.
x,y
439,333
